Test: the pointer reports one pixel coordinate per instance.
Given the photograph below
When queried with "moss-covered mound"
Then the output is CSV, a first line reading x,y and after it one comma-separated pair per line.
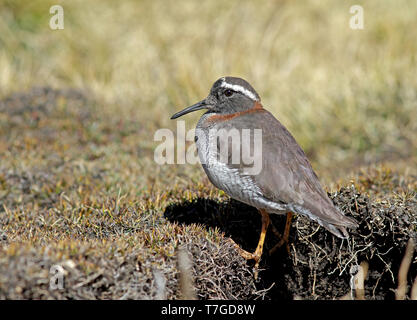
x,y
319,265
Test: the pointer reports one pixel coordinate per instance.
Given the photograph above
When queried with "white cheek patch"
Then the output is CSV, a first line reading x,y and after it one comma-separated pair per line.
x,y
238,88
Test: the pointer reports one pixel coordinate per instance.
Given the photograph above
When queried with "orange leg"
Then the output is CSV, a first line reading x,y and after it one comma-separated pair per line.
x,y
258,252
284,238
259,248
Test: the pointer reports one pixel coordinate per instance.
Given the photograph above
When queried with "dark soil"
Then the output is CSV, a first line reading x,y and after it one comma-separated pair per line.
x,y
319,266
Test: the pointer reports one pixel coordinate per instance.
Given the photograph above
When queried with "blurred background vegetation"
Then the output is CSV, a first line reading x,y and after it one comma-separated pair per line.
x,y
348,96
76,157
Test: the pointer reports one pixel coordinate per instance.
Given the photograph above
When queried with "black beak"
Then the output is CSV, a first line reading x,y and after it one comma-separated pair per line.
x,y
198,106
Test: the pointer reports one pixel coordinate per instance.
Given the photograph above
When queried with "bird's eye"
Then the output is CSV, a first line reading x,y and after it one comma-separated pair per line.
x,y
228,93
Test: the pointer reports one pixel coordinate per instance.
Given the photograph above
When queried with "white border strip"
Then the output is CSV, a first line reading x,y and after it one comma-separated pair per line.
x,y
238,88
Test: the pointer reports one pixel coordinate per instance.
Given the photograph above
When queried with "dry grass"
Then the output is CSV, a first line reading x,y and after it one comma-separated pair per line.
x,y
77,177
348,96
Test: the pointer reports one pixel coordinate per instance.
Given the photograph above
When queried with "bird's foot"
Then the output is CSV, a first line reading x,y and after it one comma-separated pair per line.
x,y
284,238
256,256
280,244
258,252
245,254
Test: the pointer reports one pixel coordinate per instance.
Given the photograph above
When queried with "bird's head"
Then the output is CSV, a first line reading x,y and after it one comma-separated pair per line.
x,y
227,95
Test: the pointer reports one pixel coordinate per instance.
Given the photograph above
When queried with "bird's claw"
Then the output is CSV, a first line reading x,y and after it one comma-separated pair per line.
x,y
256,256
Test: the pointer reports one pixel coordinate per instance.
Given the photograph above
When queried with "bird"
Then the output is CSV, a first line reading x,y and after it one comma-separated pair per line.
x,y
284,181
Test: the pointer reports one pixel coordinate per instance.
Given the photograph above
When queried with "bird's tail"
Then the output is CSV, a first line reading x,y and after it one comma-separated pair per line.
x,y
340,230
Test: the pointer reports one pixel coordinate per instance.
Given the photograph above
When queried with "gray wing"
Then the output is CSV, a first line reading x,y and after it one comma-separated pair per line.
x,y
288,177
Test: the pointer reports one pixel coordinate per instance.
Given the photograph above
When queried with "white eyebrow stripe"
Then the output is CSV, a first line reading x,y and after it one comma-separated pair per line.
x,y
238,88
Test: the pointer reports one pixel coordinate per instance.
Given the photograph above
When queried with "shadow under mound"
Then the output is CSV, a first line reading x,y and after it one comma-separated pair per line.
x,y
242,223
319,266
231,217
